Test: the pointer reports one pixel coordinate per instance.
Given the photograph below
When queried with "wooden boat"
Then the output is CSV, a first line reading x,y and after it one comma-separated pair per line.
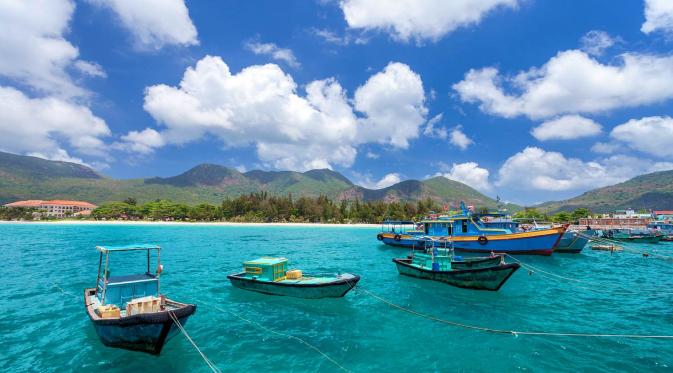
x,y
128,311
440,268
571,243
459,262
632,235
606,247
271,276
469,235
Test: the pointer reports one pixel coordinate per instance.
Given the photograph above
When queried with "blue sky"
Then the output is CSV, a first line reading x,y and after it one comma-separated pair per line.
x,y
530,100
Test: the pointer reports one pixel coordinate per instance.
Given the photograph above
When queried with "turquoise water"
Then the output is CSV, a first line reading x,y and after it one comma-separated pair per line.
x,y
44,329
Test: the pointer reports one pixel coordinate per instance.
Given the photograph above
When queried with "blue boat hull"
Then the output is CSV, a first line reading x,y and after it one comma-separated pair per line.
x,y
533,242
147,332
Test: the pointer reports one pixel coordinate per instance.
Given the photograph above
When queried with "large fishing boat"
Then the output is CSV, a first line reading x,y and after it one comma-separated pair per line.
x,y
484,274
271,276
128,311
465,233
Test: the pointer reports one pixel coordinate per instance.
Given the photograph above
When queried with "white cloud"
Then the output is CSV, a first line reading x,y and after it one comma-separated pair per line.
x,y
460,139
418,19
90,68
393,101
154,23
260,106
658,16
536,169
595,42
274,51
384,182
143,142
653,135
43,125
33,47
572,82
567,127
372,155
431,131
605,147
471,174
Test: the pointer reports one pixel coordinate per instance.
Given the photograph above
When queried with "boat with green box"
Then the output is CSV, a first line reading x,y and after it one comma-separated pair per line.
x,y
482,274
271,276
128,311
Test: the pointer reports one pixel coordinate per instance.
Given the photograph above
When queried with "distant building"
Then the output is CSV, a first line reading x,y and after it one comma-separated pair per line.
x,y
56,208
663,214
630,214
614,222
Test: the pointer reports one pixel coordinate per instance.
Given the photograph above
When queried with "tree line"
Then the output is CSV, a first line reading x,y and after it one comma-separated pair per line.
x,y
262,208
559,217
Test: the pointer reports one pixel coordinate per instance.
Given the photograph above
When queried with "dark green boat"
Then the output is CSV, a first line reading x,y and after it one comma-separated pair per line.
x,y
484,274
632,235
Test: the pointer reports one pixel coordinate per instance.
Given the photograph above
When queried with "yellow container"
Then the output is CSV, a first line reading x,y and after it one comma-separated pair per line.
x,y
293,274
109,312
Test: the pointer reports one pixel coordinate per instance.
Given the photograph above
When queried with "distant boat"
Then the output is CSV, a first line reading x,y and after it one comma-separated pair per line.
x,y
665,228
467,234
633,235
271,276
443,268
128,311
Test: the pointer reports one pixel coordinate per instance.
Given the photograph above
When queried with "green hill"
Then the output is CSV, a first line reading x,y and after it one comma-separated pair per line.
x,y
34,178
650,191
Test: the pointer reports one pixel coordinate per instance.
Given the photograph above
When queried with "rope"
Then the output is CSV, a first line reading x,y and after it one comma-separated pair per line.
x,y
595,287
289,336
210,364
625,246
511,332
63,291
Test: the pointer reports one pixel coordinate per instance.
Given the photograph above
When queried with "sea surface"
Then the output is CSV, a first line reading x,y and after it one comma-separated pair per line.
x,y
43,325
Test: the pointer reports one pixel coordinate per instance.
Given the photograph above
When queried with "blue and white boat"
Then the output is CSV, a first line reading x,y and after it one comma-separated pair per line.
x,y
128,311
466,233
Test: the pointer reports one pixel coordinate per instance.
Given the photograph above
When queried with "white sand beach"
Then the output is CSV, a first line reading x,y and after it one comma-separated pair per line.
x,y
146,222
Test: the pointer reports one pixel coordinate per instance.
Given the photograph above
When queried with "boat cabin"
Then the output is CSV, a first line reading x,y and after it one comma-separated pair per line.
x,y
399,226
663,227
463,225
266,269
120,290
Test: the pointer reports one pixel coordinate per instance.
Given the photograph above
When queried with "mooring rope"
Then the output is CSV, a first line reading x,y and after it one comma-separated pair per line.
x,y
593,286
289,336
510,332
63,291
625,245
210,364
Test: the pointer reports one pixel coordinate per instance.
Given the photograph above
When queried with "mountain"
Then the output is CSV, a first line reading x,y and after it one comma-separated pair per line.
x,y
649,191
34,178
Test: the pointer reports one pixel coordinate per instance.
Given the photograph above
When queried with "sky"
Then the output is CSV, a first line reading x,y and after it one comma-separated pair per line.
x,y
529,100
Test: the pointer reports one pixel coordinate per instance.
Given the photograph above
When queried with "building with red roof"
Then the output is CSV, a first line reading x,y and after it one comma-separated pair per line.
x,y
56,208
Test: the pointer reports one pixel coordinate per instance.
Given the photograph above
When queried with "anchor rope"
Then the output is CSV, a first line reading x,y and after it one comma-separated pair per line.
x,y
64,291
511,332
210,364
554,276
289,336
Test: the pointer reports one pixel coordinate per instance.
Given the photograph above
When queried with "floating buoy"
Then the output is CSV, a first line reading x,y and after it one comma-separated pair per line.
x,y
646,255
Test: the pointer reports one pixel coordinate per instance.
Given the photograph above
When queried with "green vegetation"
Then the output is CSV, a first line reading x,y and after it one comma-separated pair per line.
x,y
264,208
651,191
33,178
19,213
559,217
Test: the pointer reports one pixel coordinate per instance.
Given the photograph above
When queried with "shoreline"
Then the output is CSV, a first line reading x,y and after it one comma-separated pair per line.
x,y
184,223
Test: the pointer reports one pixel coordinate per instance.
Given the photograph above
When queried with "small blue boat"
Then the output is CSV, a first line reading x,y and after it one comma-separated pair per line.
x,y
271,276
128,311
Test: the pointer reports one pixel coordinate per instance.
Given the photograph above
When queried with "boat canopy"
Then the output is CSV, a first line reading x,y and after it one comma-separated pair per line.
x,y
398,222
108,249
